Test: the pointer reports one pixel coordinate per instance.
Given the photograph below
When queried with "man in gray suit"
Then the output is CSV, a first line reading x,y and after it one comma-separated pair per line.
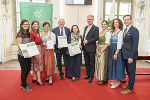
x,y
130,52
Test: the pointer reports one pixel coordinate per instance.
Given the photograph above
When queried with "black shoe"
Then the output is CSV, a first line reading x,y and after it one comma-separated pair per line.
x,y
50,84
100,83
29,85
105,82
27,88
47,80
86,77
34,80
90,80
40,83
61,77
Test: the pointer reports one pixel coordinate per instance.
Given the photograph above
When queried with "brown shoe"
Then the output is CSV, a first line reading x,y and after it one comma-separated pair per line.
x,y
127,91
124,86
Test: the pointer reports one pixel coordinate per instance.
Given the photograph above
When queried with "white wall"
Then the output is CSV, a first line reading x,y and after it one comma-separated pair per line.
x,y
8,29
143,24
77,14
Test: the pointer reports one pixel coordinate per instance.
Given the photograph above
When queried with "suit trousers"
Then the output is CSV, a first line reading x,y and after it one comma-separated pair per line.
x,y
89,58
25,64
130,69
59,61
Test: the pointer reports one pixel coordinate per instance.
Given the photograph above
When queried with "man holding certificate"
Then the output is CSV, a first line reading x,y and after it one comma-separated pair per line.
x,y
90,36
62,33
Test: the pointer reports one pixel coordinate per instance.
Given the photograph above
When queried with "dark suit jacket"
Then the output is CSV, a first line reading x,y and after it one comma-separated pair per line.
x,y
56,31
130,44
92,37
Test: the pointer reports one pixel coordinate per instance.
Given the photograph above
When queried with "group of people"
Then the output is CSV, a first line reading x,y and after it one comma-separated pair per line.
x,y
106,53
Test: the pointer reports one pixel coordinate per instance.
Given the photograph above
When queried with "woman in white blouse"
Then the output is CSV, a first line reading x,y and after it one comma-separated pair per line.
x,y
48,42
116,68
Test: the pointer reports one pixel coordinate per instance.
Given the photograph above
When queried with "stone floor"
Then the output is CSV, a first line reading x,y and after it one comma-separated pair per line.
x,y
14,65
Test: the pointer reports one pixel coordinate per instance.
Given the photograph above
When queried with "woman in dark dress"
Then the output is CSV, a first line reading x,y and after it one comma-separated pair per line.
x,y
75,60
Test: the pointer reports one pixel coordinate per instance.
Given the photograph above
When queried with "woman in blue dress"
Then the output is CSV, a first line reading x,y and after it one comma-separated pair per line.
x,y
116,68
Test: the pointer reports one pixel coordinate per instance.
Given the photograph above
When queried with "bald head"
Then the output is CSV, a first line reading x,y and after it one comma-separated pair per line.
x,y
61,22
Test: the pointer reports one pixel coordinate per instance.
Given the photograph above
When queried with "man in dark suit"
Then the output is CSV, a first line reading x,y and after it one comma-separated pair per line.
x,y
90,36
61,31
130,52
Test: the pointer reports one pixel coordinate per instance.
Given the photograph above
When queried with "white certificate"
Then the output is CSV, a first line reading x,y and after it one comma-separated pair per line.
x,y
49,45
62,41
24,50
29,49
32,49
74,48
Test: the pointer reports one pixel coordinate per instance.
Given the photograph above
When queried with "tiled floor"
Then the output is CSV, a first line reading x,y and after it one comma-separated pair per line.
x,y
14,65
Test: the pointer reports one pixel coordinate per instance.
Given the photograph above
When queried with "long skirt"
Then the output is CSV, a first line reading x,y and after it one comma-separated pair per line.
x,y
48,60
74,67
36,61
101,65
116,70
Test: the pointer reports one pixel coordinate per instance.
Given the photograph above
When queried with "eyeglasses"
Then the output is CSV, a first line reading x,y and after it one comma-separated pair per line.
x,y
25,24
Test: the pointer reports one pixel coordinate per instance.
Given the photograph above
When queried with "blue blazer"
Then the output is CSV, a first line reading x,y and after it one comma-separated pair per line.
x,y
130,43
56,31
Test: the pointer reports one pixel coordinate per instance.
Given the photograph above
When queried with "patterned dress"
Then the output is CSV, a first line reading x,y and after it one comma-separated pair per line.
x,y
36,61
101,62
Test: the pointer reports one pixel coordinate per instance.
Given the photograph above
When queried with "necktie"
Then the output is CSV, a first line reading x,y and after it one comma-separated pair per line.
x,y
87,32
125,32
62,32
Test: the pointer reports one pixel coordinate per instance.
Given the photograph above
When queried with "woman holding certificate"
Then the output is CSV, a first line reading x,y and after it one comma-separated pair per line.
x,y
23,37
36,64
101,62
75,59
49,40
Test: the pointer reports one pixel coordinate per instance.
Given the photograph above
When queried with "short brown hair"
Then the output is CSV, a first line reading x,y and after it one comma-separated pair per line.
x,y
120,24
46,23
127,15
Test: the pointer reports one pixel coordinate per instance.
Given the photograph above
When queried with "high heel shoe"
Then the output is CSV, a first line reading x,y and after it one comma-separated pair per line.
x,y
40,83
47,80
33,80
